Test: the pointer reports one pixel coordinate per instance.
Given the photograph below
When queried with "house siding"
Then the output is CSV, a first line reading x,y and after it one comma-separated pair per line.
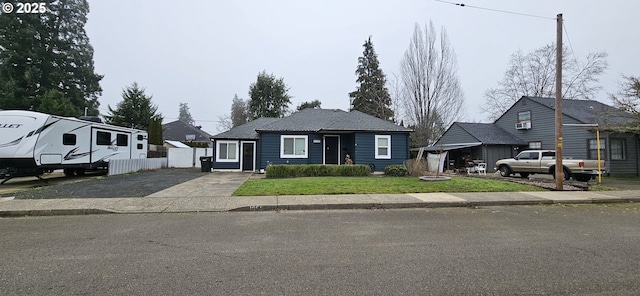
x,y
493,153
542,123
365,150
456,135
270,150
626,167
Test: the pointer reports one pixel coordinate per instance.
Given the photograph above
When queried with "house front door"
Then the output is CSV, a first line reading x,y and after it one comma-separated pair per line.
x,y
331,150
248,156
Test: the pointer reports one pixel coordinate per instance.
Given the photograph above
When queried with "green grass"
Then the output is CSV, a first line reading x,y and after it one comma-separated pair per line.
x,y
372,185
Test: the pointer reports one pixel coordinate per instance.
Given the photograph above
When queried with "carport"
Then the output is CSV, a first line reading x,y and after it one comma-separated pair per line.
x,y
458,153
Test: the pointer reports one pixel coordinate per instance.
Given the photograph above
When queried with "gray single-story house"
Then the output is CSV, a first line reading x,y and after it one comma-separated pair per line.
x,y
312,136
530,124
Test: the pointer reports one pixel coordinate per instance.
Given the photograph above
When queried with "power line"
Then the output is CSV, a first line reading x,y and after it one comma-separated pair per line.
x,y
497,10
570,45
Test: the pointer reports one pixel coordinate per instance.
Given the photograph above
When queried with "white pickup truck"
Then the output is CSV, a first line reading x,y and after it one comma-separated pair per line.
x,y
530,162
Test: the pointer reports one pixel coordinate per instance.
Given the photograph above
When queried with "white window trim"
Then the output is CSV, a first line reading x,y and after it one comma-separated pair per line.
x,y
388,137
218,151
306,145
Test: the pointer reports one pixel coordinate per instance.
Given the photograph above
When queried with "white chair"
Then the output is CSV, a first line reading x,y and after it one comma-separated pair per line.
x,y
482,168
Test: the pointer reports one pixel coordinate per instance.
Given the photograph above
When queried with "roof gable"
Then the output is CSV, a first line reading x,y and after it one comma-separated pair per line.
x,y
489,133
247,130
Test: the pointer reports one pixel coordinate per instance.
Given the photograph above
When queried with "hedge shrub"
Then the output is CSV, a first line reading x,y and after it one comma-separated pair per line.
x,y
396,170
316,170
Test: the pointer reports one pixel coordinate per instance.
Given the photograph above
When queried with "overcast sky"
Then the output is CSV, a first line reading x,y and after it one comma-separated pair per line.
x,y
204,52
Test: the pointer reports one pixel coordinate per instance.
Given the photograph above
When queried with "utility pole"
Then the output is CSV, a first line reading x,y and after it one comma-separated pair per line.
x,y
559,167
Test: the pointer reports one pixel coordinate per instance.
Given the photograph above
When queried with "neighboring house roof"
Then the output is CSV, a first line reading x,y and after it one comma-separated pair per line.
x,y
489,133
247,130
328,120
176,144
182,131
586,111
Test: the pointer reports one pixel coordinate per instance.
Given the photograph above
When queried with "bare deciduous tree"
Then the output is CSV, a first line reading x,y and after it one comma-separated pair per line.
x,y
628,100
432,95
534,74
396,92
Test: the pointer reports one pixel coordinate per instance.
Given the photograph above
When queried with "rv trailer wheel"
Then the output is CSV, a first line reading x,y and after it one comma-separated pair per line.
x,y
68,172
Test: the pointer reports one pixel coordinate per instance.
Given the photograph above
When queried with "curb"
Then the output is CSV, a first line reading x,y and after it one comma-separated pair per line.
x,y
462,204
310,207
56,212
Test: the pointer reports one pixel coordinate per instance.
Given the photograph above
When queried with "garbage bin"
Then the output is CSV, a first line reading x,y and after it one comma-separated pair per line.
x,y
205,163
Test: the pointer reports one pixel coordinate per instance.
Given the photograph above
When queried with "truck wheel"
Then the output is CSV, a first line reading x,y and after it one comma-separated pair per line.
x,y
565,172
582,178
524,175
505,171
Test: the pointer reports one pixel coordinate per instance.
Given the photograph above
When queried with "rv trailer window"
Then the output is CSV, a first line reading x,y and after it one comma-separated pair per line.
x,y
68,139
122,140
140,138
103,138
140,146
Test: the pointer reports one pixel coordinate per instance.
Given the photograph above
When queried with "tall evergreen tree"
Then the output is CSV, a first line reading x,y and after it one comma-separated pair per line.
x,y
184,114
269,97
239,111
371,95
315,104
155,131
135,110
46,52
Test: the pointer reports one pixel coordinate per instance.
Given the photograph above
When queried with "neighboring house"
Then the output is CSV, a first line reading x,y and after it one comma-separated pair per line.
x,y
312,136
530,124
183,132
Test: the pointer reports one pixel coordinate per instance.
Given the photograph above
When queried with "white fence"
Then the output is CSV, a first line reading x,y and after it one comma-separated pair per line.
x,y
176,158
186,157
123,166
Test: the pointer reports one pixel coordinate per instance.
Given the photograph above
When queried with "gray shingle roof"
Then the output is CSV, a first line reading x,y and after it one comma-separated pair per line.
x,y
327,120
587,111
247,130
178,130
489,133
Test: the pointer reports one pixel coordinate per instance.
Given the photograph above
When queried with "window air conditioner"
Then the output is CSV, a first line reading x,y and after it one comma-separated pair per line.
x,y
523,125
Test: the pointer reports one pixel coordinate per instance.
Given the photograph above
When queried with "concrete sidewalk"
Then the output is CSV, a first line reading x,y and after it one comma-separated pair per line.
x,y
212,193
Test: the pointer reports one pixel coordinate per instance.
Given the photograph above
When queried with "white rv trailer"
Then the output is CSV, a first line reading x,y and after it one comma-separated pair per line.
x,y
33,143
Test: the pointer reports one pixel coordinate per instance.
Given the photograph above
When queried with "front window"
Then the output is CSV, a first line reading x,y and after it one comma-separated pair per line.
x,y
227,151
294,146
618,151
535,145
383,147
593,148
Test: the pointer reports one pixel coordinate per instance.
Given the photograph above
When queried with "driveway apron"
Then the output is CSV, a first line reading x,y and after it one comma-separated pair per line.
x,y
211,185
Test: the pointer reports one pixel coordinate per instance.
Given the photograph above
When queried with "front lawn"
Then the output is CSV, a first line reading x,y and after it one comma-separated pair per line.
x,y
366,185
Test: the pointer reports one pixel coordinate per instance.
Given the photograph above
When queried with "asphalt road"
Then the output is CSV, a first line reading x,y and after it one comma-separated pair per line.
x,y
518,250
